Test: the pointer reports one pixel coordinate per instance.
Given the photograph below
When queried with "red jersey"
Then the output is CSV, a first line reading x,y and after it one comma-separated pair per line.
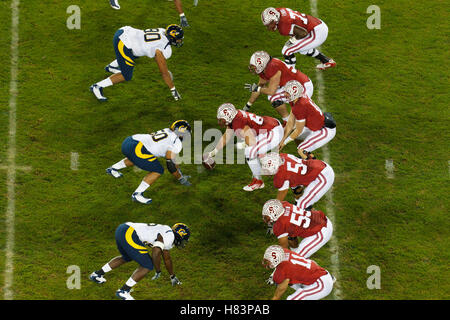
x,y
306,109
259,124
287,74
298,270
297,171
298,223
290,18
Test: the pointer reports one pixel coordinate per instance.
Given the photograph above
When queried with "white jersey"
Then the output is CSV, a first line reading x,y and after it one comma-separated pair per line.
x,y
146,42
159,142
148,233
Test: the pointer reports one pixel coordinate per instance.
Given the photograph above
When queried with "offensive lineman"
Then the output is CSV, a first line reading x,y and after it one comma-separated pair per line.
x,y
129,44
273,75
178,6
305,31
305,276
260,136
142,150
133,242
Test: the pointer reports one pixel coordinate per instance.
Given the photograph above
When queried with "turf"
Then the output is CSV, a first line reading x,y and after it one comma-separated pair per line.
x,y
388,94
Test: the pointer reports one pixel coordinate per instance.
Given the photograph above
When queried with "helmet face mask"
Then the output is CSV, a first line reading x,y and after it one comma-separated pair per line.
x,y
274,255
293,90
181,128
226,112
182,234
273,209
270,18
175,34
259,61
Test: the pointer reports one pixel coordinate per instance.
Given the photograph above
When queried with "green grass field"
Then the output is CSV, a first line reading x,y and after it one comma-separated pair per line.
x,y
388,94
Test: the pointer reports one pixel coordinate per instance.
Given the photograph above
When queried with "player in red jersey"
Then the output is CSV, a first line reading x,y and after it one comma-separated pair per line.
x,y
290,222
273,75
315,176
260,134
306,121
307,33
305,276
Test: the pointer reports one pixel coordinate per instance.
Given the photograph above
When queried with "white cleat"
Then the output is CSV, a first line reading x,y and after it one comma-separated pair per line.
x,y
138,197
254,185
114,4
96,278
98,92
113,172
329,64
124,295
111,69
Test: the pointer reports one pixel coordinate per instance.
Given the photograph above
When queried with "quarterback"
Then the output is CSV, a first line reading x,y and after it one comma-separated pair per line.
x,y
142,150
273,75
129,44
133,241
309,280
306,34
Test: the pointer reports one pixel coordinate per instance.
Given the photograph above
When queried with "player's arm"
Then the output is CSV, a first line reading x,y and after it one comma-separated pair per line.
x,y
281,194
162,65
228,134
168,261
299,126
249,136
157,250
287,131
281,289
255,94
273,84
284,242
174,169
299,32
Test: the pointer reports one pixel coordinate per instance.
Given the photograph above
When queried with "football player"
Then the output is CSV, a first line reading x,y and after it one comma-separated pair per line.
x,y
306,34
134,240
306,122
289,222
305,276
260,136
178,6
273,75
129,44
142,150
308,179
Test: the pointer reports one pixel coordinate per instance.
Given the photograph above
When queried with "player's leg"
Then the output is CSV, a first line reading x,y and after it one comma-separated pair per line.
x,y
114,4
317,139
317,188
319,289
310,245
278,101
149,179
321,34
257,182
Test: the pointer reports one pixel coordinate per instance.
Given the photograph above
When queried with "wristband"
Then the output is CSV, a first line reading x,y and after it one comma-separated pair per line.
x,y
159,244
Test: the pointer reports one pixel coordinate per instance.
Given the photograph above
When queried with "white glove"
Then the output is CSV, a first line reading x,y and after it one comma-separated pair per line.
x,y
174,280
241,145
156,276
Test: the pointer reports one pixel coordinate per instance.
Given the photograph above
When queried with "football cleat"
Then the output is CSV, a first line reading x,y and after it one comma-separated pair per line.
x,y
98,92
330,64
113,172
124,295
138,197
254,185
114,4
112,69
96,278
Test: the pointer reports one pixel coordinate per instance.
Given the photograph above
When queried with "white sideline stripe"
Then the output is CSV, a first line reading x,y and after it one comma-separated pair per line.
x,y
389,165
11,155
74,161
334,246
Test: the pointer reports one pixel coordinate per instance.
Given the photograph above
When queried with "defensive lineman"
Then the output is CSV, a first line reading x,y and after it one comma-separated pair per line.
x,y
178,6
129,44
142,150
133,241
305,31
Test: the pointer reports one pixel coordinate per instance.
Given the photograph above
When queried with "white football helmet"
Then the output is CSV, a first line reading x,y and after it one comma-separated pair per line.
x,y
275,255
259,60
294,89
273,208
270,163
270,14
227,111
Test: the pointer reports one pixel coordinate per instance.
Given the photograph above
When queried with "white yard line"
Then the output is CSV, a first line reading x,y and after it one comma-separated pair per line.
x,y
11,155
74,156
389,166
334,246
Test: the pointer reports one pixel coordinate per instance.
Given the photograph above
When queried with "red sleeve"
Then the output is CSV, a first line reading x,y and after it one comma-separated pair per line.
x,y
299,111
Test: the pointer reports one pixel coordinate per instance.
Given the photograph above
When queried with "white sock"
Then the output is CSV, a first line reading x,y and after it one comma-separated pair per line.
x,y
106,268
114,64
142,187
105,83
255,167
119,165
130,282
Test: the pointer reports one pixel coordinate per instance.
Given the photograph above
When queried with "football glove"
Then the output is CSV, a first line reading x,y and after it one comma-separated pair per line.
x,y
252,87
175,94
156,276
184,180
174,280
183,22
